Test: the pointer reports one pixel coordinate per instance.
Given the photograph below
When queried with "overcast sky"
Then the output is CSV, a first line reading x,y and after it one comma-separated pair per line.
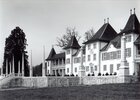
x,y
45,20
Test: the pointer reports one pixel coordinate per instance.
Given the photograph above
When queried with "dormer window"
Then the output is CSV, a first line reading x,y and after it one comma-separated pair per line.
x,y
94,45
128,38
68,51
88,57
88,46
68,60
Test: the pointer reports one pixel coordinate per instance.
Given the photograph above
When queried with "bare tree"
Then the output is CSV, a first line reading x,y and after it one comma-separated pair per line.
x,y
63,41
89,34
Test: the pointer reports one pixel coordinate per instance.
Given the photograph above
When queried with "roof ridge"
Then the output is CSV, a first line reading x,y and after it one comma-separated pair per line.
x,y
72,40
73,43
104,29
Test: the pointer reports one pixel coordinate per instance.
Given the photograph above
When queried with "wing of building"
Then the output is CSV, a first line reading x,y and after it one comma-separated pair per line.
x,y
103,53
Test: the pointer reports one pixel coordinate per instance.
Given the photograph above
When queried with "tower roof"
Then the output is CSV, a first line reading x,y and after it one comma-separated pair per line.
x,y
106,33
132,25
73,43
52,53
137,41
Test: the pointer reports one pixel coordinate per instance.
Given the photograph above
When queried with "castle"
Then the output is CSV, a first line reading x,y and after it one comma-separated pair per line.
x,y
106,53
108,57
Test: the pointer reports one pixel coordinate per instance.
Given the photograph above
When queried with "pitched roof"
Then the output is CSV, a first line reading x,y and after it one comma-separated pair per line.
x,y
137,41
105,34
116,42
105,47
132,25
59,55
52,53
73,43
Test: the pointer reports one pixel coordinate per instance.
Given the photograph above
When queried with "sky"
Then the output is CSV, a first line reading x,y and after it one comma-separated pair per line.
x,y
45,20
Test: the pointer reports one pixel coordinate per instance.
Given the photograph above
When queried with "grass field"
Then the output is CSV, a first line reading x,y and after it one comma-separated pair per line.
x,y
95,92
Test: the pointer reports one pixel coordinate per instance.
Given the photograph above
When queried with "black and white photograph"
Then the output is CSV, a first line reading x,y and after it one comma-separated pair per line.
x,y
69,49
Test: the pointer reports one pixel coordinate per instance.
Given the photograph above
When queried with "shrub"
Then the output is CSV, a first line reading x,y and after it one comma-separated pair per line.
x,y
110,73
66,75
103,75
106,74
99,74
115,73
72,75
88,74
93,74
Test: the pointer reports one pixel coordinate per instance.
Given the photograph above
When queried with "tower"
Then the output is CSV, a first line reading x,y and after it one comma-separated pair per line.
x,y
70,50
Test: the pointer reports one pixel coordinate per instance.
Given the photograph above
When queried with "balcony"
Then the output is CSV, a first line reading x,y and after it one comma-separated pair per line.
x,y
58,65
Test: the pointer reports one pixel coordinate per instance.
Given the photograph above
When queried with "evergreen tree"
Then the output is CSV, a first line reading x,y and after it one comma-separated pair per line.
x,y
15,45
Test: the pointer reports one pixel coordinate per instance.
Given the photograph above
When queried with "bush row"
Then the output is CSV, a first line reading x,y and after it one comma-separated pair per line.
x,y
99,74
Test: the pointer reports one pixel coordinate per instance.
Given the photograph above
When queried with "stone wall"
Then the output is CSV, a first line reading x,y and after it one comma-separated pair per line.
x,y
52,81
35,82
31,82
38,82
91,80
63,81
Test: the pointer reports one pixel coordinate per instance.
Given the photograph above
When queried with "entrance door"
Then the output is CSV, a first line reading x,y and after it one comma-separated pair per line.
x,y
111,68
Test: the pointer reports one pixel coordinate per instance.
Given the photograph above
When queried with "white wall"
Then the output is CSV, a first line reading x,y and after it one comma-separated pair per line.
x,y
111,48
130,60
91,52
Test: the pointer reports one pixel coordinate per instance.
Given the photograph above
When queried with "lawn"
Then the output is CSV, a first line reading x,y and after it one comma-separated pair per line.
x,y
95,92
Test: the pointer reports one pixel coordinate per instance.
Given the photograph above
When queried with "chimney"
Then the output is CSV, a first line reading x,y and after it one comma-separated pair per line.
x,y
130,11
107,20
104,21
134,10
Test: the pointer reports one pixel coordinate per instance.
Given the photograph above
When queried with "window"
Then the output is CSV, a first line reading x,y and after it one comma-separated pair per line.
x,y
138,49
112,55
105,68
54,62
87,68
104,56
94,45
67,70
88,46
128,52
60,61
118,66
84,59
128,38
68,51
77,60
119,54
75,69
88,57
91,69
68,61
94,56
95,68
107,56
111,68
48,63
